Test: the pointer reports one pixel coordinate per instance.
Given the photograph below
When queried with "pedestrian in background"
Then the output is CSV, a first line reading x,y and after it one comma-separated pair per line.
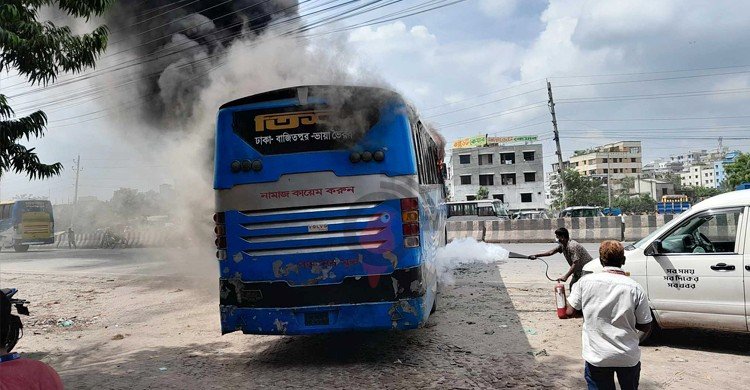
x,y
71,238
614,309
575,254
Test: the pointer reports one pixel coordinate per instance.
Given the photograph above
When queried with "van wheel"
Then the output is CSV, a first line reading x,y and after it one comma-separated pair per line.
x,y
20,248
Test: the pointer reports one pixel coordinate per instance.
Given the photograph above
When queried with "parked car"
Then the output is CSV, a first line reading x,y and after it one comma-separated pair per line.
x,y
581,211
694,267
530,214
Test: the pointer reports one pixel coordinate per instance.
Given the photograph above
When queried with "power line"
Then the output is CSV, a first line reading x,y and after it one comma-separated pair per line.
x,y
513,110
656,119
650,80
106,70
482,95
653,72
484,104
654,96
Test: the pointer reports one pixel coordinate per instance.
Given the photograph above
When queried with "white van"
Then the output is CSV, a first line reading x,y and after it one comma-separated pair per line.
x,y
696,268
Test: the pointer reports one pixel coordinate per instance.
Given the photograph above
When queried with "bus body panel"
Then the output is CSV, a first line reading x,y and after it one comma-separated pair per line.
x,y
235,148
314,242
26,222
401,315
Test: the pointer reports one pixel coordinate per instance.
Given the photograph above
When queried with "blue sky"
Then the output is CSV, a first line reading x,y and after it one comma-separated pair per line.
x,y
675,74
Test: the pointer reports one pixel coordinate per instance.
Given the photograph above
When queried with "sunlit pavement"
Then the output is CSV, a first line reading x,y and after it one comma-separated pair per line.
x,y
148,318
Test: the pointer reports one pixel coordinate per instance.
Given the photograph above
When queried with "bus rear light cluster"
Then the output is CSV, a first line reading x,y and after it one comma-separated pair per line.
x,y
410,222
367,156
246,165
221,238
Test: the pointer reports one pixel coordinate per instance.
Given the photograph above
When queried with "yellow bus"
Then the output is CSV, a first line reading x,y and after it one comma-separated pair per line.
x,y
26,222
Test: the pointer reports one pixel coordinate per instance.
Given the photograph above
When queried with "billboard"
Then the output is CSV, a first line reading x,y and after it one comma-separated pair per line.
x,y
481,140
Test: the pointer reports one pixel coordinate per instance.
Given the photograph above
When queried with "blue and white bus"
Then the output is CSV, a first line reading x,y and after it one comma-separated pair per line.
x,y
330,207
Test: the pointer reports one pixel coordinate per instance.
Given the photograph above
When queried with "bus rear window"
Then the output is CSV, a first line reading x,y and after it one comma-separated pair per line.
x,y
36,206
300,129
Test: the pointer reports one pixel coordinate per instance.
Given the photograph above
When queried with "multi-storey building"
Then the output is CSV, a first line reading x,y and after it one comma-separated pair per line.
x,y
552,182
719,173
613,161
513,174
699,175
655,188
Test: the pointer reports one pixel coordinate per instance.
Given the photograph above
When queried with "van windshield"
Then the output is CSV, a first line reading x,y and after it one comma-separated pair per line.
x,y
649,238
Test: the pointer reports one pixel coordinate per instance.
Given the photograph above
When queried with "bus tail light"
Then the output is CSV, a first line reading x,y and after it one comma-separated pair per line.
x,y
411,242
221,238
410,229
410,222
409,204
410,216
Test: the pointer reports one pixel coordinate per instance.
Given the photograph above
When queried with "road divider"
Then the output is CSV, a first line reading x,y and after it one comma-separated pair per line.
x,y
591,229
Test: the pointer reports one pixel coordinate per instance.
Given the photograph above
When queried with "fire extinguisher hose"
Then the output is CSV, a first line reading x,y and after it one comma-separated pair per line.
x,y
546,270
514,255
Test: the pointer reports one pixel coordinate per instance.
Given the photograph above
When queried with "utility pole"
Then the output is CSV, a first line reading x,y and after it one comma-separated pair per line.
x,y
551,104
75,194
609,188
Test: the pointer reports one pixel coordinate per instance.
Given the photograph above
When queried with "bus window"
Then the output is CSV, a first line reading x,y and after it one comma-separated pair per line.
x,y
486,211
6,211
36,206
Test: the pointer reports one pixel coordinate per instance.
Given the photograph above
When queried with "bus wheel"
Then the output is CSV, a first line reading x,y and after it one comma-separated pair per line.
x,y
20,248
434,301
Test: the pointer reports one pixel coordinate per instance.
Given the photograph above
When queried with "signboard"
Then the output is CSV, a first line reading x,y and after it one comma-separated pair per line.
x,y
508,140
471,142
481,140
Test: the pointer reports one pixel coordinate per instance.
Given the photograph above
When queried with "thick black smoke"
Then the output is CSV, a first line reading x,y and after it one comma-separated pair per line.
x,y
178,43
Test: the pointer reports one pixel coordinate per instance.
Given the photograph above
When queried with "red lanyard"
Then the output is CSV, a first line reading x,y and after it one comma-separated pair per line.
x,y
616,271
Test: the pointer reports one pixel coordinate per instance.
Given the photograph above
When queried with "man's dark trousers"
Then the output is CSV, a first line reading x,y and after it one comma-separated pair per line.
x,y
603,378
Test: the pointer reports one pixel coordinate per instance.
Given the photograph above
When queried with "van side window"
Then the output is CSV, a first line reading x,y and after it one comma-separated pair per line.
x,y
711,232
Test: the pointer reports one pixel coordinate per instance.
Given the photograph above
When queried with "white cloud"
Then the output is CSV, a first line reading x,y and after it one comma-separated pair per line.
x,y
500,9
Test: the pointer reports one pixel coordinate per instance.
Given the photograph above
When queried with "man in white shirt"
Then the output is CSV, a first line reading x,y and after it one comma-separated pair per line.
x,y
614,309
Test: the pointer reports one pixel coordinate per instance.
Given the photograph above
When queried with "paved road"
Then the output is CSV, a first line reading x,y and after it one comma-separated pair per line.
x,y
146,319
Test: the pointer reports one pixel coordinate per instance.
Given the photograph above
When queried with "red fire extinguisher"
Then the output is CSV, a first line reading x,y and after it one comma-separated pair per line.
x,y
560,299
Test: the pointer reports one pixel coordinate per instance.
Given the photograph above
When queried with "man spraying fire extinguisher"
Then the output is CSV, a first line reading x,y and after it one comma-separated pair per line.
x,y
575,254
614,309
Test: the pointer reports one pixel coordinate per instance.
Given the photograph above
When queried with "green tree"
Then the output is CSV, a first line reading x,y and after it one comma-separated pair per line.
x,y
641,204
580,191
627,183
738,172
39,51
483,193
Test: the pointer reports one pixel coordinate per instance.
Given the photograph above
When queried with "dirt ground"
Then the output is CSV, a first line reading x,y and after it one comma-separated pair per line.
x,y
495,328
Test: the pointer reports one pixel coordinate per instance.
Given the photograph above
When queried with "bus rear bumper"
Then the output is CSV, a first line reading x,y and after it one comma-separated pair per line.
x,y
399,315
34,241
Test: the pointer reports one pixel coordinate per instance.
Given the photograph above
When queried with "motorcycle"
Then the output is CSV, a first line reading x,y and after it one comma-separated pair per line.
x,y
15,326
113,241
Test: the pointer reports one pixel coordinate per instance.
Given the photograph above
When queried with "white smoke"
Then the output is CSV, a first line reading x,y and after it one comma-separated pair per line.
x,y
465,251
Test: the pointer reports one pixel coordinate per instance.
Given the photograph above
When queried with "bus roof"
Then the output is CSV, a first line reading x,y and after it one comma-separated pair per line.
x,y
474,201
294,92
